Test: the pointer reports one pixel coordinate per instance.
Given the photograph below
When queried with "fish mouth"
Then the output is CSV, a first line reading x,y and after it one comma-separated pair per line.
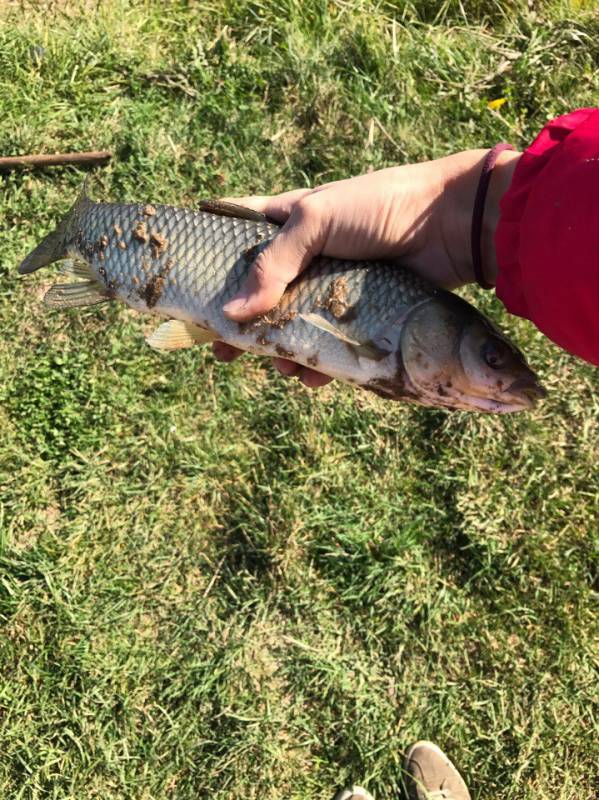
x,y
521,395
526,391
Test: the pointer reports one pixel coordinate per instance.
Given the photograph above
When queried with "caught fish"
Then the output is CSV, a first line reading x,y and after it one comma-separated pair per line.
x,y
373,325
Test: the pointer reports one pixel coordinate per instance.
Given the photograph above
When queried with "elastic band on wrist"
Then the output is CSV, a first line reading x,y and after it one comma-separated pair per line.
x,y
479,210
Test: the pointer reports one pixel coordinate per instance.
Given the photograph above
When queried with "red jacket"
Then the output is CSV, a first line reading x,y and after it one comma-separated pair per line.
x,y
547,240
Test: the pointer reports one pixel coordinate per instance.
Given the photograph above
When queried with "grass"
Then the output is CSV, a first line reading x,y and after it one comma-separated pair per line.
x,y
213,582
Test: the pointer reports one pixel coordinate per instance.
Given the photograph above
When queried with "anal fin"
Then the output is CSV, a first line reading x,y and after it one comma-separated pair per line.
x,y
176,334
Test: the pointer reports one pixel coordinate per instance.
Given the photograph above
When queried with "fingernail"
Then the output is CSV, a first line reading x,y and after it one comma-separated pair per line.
x,y
235,305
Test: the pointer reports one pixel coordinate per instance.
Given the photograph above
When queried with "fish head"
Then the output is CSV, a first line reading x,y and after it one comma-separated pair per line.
x,y
454,356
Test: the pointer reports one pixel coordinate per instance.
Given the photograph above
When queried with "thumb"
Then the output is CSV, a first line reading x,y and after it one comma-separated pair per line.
x,y
301,238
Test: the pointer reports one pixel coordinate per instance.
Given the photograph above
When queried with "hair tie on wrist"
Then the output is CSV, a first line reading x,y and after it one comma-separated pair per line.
x,y
479,210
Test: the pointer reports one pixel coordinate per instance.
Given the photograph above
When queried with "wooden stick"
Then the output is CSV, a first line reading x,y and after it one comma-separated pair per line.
x,y
95,158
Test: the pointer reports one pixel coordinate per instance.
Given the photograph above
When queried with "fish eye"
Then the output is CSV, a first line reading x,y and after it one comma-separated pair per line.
x,y
495,353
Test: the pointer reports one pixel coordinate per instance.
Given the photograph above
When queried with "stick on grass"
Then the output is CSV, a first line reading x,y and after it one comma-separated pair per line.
x,y
90,159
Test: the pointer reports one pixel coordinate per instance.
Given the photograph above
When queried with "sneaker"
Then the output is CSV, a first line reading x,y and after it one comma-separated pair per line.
x,y
354,793
430,775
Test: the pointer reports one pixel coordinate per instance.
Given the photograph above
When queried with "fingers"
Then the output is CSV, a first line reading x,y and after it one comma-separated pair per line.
x,y
309,377
313,379
300,240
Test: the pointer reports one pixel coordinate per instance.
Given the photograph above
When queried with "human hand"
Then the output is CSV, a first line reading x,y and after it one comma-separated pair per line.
x,y
419,213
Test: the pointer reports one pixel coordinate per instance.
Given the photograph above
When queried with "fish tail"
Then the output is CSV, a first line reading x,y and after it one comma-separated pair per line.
x,y
53,247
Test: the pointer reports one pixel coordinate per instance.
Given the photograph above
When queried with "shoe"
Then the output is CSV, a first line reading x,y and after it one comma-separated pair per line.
x,y
430,775
354,793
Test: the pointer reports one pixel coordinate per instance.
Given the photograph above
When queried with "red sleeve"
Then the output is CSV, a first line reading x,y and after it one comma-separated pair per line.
x,y
547,240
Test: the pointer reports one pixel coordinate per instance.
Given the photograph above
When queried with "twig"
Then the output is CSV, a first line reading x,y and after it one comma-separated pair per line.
x,y
95,158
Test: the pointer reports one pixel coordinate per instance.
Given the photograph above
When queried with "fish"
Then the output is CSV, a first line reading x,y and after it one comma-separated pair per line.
x,y
375,325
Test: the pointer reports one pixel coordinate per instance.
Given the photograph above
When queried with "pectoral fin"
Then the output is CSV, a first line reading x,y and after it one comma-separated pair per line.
x,y
73,295
79,269
176,334
360,349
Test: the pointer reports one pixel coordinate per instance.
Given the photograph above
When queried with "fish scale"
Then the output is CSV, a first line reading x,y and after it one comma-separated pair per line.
x,y
374,324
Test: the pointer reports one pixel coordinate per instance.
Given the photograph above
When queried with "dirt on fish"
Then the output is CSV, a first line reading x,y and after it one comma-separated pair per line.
x,y
274,319
149,210
284,353
158,244
152,291
391,388
249,255
335,300
140,232
278,319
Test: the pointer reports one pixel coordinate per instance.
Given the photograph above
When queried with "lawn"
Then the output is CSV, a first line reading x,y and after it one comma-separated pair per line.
x,y
215,583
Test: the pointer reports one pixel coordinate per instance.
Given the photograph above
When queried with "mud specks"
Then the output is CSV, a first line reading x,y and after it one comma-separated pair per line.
x,y
140,232
395,388
262,340
249,255
158,244
385,388
145,264
149,210
98,247
284,353
312,361
277,319
152,291
274,319
117,229
135,280
122,245
336,301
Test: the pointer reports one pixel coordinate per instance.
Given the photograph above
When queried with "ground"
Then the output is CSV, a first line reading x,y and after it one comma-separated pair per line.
x,y
214,582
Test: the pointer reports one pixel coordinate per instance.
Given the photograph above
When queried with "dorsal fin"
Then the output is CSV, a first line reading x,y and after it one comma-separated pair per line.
x,y
223,208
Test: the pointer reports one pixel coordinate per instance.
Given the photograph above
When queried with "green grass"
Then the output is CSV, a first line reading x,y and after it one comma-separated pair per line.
x,y
213,582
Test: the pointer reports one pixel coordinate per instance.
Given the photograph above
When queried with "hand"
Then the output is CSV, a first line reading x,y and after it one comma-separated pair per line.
x,y
419,213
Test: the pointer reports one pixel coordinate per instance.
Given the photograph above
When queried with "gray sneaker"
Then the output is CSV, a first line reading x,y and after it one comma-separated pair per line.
x,y
353,793
430,775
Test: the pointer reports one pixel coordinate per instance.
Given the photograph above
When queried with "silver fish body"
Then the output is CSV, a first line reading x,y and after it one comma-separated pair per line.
x,y
371,324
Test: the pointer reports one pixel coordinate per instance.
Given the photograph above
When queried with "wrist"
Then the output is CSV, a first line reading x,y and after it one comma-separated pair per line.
x,y
462,176
501,179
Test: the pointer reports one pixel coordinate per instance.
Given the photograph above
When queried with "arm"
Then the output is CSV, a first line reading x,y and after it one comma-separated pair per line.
x,y
419,213
540,238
